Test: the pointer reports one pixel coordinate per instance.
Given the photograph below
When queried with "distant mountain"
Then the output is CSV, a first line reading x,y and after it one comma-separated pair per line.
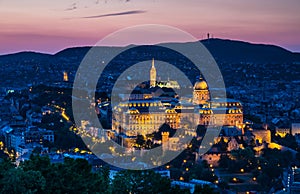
x,y
25,56
71,52
233,51
224,51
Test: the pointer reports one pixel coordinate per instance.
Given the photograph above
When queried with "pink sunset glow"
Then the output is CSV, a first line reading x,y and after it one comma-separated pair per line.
x,y
50,26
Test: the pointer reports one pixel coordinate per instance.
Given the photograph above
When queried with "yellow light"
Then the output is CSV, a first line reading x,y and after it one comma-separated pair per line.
x,y
186,169
216,181
254,178
234,179
259,168
184,161
181,178
63,114
242,170
210,165
167,166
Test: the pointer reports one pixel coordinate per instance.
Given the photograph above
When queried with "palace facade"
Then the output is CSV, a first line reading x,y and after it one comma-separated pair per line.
x,y
145,115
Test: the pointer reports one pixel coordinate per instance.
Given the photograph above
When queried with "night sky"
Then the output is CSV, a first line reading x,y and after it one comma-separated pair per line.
x,y
50,26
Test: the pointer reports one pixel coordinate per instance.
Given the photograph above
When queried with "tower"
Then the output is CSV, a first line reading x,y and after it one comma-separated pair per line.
x,y
201,92
65,78
164,140
153,75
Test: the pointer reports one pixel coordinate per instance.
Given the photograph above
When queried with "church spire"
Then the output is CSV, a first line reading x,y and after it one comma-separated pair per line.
x,y
153,63
153,75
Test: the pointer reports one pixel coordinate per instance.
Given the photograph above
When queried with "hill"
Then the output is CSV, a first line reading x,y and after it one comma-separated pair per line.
x,y
224,51
233,51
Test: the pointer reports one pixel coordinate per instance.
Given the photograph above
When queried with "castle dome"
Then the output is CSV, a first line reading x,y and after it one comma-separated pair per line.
x,y
200,85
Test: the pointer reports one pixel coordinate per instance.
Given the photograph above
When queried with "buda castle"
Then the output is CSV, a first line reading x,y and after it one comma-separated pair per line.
x,y
147,113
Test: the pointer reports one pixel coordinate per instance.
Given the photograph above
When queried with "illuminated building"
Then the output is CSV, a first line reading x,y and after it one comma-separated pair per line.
x,y
144,112
153,75
282,132
211,158
165,140
170,143
233,144
262,135
144,117
201,93
168,84
221,112
65,77
295,128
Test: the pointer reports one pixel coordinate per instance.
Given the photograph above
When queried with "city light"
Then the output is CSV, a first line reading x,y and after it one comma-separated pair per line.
x,y
259,168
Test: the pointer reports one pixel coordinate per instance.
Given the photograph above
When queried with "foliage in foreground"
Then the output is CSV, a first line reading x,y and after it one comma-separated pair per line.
x,y
39,175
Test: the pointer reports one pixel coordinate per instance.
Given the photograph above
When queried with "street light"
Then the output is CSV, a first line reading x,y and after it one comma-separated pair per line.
x,y
259,168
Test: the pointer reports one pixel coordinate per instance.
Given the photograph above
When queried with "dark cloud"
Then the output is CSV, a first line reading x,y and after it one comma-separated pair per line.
x,y
72,7
117,14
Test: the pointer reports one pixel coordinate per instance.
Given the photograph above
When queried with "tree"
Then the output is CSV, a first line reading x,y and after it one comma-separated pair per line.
x,y
205,189
196,171
243,154
18,181
37,163
140,140
37,150
207,175
224,161
5,165
75,176
140,182
71,176
263,181
223,145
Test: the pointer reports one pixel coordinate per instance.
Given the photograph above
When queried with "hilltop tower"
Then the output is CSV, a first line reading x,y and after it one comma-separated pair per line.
x,y
153,75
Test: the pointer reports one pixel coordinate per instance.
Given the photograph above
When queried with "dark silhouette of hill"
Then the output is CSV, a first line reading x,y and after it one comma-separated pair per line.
x,y
233,51
25,56
224,51
72,52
